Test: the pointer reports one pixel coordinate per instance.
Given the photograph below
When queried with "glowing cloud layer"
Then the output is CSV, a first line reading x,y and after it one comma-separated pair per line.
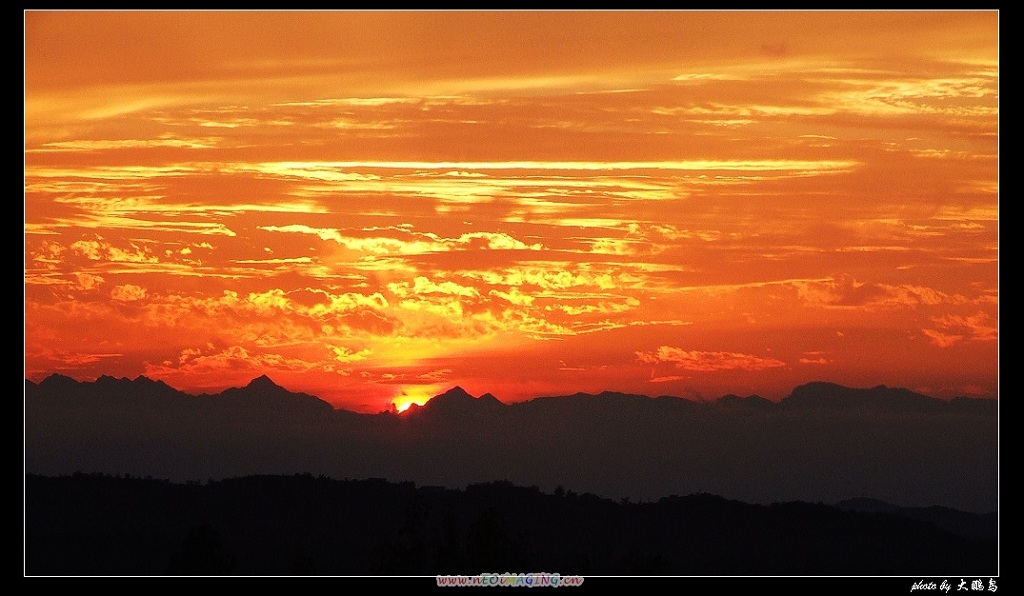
x,y
548,202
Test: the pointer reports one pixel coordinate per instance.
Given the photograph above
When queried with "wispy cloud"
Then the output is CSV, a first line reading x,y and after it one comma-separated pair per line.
x,y
700,361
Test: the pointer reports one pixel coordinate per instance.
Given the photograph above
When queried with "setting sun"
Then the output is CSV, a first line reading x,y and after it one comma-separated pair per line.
x,y
413,395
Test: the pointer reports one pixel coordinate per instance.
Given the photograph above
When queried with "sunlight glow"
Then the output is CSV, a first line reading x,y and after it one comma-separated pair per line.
x,y
714,201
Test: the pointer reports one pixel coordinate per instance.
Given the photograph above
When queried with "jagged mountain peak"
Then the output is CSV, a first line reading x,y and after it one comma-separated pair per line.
x,y
57,379
456,392
263,382
458,401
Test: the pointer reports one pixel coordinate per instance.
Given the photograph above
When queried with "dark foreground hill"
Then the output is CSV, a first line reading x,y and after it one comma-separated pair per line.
x,y
283,525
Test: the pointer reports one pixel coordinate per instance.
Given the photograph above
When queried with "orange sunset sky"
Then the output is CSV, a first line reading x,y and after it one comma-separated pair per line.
x,y
373,207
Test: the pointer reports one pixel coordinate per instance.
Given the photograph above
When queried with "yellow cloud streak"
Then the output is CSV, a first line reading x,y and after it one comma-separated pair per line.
x,y
785,165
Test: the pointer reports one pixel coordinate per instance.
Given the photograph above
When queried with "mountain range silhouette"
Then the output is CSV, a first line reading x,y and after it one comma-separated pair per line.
x,y
822,443
263,391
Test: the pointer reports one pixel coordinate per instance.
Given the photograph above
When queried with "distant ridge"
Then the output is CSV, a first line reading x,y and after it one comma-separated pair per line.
x,y
832,396
103,387
974,525
261,392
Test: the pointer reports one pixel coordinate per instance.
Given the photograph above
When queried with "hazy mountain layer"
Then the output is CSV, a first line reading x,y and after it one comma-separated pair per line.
x,y
824,443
